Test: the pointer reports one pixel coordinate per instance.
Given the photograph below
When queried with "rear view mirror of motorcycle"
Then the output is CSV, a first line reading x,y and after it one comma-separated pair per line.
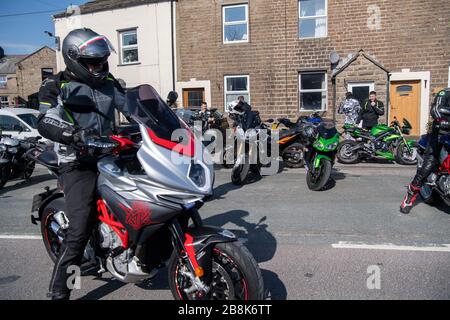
x,y
444,111
80,104
270,120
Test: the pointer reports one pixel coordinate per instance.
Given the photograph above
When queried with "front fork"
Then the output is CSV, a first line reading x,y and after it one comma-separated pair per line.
x,y
194,245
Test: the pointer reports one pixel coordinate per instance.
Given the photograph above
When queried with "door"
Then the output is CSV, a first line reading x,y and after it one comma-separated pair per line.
x,y
193,98
361,90
405,103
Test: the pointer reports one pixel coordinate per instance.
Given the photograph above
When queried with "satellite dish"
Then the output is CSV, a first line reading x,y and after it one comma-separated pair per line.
x,y
334,57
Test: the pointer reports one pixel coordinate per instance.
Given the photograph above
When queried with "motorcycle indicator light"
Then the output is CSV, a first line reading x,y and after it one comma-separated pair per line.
x,y
2,148
199,272
13,150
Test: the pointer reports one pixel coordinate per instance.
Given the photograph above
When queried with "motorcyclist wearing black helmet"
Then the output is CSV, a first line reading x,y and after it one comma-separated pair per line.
x,y
86,55
440,112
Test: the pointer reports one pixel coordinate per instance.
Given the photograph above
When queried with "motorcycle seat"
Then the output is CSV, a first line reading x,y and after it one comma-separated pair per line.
x,y
48,158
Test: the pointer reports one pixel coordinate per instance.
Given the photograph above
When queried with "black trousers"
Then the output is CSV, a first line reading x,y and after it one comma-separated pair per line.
x,y
431,158
79,185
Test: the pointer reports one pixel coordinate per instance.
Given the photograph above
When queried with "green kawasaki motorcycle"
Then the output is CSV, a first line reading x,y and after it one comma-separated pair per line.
x,y
383,141
322,142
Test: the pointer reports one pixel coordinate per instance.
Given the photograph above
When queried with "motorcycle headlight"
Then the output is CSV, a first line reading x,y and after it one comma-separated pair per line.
x,y
332,146
318,145
197,174
12,150
2,148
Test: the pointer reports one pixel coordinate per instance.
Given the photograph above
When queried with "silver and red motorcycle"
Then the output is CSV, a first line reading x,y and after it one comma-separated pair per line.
x,y
148,210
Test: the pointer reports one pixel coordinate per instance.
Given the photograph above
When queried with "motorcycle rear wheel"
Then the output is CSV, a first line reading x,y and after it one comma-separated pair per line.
x,y
239,173
236,275
299,161
346,156
28,172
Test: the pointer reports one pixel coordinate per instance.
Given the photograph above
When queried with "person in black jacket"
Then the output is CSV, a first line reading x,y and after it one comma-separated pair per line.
x,y
440,126
371,110
86,55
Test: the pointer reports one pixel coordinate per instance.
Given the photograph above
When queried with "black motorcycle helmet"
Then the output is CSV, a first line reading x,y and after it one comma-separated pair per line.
x,y
172,97
85,54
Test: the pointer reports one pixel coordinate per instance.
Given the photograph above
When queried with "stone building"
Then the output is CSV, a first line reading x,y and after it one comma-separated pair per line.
x,y
277,54
22,75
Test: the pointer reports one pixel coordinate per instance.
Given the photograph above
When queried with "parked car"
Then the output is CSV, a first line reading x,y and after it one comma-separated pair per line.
x,y
19,123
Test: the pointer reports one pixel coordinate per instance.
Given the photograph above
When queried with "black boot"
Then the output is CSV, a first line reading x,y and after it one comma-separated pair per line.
x,y
59,296
409,200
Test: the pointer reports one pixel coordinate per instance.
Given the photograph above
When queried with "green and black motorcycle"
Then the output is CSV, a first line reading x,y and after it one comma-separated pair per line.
x,y
322,142
382,141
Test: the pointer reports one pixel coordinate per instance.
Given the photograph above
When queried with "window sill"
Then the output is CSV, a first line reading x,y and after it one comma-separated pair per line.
x,y
128,64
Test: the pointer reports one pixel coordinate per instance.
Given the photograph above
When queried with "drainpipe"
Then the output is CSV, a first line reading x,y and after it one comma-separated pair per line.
x,y
172,31
333,81
388,97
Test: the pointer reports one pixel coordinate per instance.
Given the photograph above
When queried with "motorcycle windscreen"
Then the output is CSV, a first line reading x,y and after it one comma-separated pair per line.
x,y
164,127
327,130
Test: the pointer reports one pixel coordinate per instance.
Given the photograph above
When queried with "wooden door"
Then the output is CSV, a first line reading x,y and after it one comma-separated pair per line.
x,y
405,103
193,98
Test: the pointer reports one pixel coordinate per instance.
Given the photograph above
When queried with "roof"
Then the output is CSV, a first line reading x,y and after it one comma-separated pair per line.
x,y
31,54
8,63
104,5
17,111
354,58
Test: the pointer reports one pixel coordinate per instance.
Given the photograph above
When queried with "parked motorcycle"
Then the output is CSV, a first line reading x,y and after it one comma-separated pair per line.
x,y
145,203
251,144
383,141
292,144
13,160
322,141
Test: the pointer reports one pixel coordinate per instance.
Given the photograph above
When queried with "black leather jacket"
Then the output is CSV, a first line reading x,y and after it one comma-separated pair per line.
x,y
58,124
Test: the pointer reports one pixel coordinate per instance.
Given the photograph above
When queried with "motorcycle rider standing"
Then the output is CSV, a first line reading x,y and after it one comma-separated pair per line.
x,y
440,126
86,55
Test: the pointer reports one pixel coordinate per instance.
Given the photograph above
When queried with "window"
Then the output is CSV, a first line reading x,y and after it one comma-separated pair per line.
x,y
361,90
46,72
30,119
3,81
236,86
8,123
4,101
312,18
193,98
313,91
129,47
235,23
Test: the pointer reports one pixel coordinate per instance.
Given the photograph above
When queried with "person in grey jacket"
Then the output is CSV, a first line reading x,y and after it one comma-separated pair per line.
x,y
86,55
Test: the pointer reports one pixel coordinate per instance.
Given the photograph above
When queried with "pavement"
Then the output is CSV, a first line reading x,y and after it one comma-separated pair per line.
x,y
348,242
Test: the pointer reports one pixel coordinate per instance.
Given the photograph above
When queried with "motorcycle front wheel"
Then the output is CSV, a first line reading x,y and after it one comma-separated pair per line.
x,y
235,276
317,178
4,174
29,168
404,156
239,173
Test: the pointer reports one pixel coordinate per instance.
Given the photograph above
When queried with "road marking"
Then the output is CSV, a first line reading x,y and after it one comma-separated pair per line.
x,y
19,237
391,246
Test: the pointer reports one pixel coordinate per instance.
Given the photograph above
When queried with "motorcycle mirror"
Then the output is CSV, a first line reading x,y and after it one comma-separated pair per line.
x,y
270,120
80,104
262,219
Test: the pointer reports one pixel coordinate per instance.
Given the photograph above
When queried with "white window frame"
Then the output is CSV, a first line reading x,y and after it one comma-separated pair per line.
x,y
224,23
122,47
5,82
300,18
369,84
449,76
312,90
226,92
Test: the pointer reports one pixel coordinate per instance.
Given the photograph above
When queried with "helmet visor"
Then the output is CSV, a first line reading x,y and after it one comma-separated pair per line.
x,y
96,47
